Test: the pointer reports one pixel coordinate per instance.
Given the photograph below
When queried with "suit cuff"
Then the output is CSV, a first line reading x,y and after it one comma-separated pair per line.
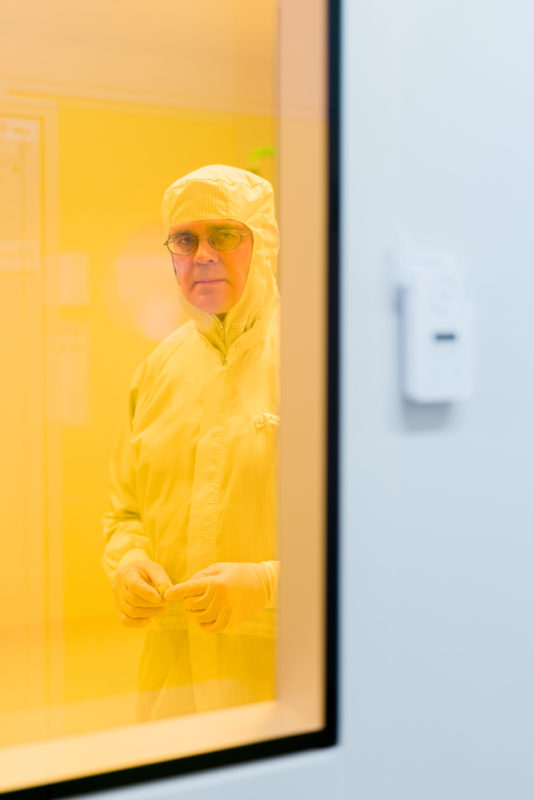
x,y
271,571
136,554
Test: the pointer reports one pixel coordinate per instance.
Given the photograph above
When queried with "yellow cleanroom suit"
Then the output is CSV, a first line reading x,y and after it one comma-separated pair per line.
x,y
193,473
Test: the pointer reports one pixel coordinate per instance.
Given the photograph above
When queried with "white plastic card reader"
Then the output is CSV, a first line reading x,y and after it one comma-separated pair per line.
x,y
437,329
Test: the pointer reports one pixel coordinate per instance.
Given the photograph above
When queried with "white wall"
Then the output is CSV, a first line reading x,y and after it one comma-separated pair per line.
x,y
438,508
438,525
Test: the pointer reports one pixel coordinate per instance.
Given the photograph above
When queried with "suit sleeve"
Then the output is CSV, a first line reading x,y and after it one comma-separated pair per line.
x,y
124,534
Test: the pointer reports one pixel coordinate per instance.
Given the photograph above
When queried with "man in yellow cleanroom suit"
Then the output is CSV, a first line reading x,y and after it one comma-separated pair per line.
x,y
191,534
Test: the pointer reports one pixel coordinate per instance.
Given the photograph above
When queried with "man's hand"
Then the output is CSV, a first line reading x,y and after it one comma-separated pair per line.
x,y
223,595
138,589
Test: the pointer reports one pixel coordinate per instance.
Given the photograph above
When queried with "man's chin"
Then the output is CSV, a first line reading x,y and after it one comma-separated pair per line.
x,y
212,308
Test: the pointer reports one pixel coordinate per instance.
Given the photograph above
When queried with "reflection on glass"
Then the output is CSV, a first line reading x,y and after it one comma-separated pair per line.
x,y
191,535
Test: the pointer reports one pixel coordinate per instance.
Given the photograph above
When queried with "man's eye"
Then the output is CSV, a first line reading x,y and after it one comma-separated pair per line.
x,y
184,240
226,237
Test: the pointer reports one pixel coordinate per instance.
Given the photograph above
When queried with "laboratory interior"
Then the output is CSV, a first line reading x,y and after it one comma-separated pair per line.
x,y
268,520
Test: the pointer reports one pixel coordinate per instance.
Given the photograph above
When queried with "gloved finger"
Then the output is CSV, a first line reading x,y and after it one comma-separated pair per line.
x,y
204,617
139,587
213,612
192,588
157,576
207,572
137,612
211,627
198,603
133,623
220,624
210,613
133,600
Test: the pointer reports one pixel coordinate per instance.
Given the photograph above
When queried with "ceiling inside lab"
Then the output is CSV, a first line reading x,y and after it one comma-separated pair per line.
x,y
215,54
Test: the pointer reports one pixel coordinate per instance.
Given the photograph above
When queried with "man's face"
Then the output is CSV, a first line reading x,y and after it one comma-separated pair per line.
x,y
213,280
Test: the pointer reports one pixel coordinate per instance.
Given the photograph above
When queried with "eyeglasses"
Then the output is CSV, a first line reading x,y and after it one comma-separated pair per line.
x,y
183,244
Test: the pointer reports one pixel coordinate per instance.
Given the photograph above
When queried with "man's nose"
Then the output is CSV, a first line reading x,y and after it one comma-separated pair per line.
x,y
204,252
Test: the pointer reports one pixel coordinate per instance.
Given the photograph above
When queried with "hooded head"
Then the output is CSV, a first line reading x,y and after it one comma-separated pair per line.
x,y
219,192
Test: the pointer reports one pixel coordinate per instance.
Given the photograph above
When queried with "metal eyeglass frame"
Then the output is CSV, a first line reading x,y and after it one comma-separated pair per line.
x,y
242,235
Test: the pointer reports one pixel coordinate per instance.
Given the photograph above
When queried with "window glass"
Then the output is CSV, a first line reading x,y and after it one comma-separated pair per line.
x,y
163,262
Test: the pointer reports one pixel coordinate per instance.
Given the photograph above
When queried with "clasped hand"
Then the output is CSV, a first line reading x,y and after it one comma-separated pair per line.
x,y
139,589
218,597
223,595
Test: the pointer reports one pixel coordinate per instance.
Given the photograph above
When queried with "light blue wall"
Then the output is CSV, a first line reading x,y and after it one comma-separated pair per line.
x,y
438,507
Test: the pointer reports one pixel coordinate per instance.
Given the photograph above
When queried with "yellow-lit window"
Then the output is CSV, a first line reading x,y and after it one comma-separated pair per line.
x,y
164,242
